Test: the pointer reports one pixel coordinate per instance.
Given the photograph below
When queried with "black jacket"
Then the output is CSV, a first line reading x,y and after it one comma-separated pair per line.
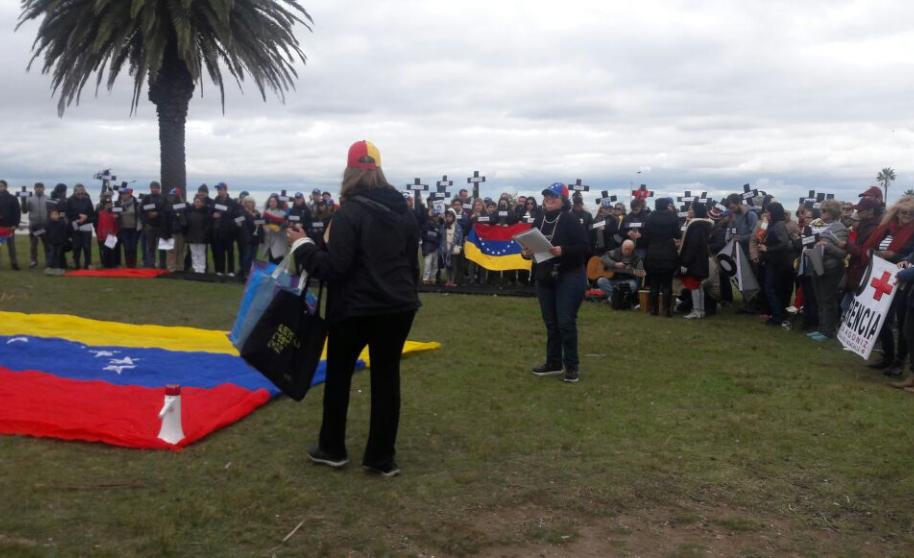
x,y
568,233
659,233
77,206
9,210
631,218
779,247
605,239
371,263
224,226
251,233
198,226
154,217
300,216
694,253
56,232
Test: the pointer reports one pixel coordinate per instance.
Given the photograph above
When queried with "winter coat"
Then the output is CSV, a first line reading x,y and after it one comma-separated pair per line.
x,y
152,211
56,232
199,226
660,231
431,237
251,233
833,256
10,215
300,216
225,210
445,250
274,233
132,207
371,262
566,231
694,252
779,246
633,264
604,239
635,219
77,206
859,257
176,211
105,224
37,208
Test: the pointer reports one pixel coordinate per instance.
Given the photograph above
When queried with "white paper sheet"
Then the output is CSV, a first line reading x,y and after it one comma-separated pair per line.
x,y
166,244
110,241
534,241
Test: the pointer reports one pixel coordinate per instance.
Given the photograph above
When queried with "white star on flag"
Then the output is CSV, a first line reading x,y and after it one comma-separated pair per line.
x,y
118,369
126,360
17,340
99,354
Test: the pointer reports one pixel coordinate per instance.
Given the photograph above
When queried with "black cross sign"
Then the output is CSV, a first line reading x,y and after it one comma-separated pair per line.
x,y
417,186
475,180
748,194
579,186
444,182
605,196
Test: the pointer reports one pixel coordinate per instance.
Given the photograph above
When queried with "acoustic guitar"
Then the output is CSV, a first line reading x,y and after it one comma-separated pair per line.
x,y
595,269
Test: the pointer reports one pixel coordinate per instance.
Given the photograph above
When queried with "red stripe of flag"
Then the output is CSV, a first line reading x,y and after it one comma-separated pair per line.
x,y
499,232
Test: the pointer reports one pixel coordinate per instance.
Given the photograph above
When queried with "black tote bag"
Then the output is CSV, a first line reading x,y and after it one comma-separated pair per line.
x,y
287,342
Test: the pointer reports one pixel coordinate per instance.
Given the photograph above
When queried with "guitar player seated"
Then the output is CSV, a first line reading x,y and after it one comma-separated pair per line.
x,y
626,266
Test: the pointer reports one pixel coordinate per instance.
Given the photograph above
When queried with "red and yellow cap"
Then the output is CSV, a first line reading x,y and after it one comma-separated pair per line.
x,y
364,155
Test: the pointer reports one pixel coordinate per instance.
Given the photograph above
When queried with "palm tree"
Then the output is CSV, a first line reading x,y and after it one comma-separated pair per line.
x,y
167,44
885,177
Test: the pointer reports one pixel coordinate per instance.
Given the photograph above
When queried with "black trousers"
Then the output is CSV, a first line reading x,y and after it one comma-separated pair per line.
x,y
661,282
82,248
385,336
224,254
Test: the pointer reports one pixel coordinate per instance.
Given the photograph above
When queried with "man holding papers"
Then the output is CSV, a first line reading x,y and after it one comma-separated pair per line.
x,y
557,243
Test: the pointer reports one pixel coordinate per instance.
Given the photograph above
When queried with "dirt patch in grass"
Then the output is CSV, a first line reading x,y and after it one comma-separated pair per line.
x,y
674,533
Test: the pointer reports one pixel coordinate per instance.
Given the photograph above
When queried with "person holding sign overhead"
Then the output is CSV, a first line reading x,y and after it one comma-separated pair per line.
x,y
560,282
370,261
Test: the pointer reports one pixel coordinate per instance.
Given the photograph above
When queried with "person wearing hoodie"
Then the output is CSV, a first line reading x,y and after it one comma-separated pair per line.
x,y
560,283
370,263
832,247
693,257
36,206
9,221
660,231
81,215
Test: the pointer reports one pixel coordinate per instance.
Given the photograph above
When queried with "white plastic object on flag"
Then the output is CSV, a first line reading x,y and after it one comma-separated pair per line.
x,y
171,431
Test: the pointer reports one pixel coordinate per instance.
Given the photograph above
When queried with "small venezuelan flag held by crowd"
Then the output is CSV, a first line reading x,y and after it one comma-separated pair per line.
x,y
79,379
494,248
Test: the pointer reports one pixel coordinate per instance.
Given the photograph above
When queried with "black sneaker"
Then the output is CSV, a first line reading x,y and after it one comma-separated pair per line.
x,y
387,471
319,456
571,375
547,369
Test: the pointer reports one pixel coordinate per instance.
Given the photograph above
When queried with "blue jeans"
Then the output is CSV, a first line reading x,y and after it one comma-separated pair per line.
x,y
127,241
559,304
609,285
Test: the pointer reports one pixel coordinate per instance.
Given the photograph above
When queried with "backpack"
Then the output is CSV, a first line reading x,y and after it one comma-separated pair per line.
x,y
622,297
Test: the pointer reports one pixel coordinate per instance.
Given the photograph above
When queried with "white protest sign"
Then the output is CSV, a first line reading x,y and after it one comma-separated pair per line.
x,y
863,321
110,241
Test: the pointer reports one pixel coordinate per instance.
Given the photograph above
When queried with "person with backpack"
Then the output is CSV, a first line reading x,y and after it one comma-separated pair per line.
x,y
370,263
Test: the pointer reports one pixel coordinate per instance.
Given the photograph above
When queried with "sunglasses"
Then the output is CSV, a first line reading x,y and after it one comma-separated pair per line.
x,y
906,212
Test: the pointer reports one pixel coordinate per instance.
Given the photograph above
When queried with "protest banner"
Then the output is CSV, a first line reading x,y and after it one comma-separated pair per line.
x,y
863,321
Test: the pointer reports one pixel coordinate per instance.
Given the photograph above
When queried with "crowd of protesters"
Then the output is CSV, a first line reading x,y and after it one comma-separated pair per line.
x,y
157,229
808,262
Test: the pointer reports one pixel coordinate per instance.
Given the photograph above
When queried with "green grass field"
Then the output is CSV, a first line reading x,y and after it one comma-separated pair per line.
x,y
718,438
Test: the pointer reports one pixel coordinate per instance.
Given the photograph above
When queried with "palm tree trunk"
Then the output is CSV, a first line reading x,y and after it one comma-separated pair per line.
x,y
170,91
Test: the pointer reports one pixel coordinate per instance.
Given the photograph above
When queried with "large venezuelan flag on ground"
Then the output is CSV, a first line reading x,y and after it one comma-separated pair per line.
x,y
493,247
79,379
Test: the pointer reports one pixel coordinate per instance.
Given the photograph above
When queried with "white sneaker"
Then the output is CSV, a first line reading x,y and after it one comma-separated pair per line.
x,y
218,274
692,315
231,274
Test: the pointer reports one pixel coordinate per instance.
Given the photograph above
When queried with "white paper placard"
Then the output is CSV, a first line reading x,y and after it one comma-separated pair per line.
x,y
863,321
294,218
149,207
116,209
179,206
599,224
535,241
259,222
39,232
221,207
166,244
110,241
85,228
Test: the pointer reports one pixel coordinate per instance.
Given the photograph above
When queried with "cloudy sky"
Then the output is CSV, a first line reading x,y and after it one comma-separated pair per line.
x,y
700,95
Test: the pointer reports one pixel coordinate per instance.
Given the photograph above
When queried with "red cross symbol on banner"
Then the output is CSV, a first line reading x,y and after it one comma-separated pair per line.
x,y
882,286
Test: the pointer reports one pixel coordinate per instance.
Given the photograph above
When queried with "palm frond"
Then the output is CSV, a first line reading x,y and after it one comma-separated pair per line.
x,y
254,39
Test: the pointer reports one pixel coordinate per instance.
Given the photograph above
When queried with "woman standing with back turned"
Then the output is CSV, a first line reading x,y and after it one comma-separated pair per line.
x,y
371,266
